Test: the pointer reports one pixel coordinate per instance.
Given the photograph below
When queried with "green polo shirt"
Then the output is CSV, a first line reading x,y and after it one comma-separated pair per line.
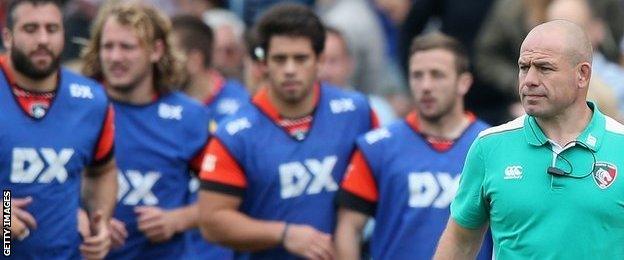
x,y
536,215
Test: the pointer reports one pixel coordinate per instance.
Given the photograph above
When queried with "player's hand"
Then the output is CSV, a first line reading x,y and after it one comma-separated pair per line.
x,y
21,221
97,245
118,233
156,224
305,241
83,224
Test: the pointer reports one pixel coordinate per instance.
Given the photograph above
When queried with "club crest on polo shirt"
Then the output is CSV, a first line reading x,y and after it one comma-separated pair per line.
x,y
604,174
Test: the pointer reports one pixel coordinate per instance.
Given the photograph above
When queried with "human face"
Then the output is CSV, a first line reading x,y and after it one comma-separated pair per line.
x,y
125,60
435,84
228,51
292,67
36,40
336,65
546,77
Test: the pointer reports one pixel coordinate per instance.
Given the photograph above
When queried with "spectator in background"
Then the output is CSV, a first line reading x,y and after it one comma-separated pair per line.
x,y
229,48
606,87
364,34
251,10
197,8
337,66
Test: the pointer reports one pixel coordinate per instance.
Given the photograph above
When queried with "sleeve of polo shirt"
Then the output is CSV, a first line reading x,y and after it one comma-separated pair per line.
x,y
469,208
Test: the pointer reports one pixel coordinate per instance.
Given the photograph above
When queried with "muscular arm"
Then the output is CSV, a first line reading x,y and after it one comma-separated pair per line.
x,y
221,222
459,243
349,233
99,188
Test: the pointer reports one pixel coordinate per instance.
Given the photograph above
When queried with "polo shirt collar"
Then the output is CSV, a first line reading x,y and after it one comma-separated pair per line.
x,y
591,136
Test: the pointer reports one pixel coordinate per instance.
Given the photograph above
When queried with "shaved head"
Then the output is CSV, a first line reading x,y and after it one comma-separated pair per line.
x,y
554,69
561,36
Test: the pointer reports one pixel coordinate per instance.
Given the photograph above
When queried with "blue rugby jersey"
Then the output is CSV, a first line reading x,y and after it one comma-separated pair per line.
x,y
407,185
44,158
155,145
284,178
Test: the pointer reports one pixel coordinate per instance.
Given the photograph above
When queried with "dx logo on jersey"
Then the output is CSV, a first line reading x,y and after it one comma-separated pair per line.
x,y
311,177
138,187
27,164
425,191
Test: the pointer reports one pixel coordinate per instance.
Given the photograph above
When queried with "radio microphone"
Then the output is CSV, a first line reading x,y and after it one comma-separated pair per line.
x,y
556,171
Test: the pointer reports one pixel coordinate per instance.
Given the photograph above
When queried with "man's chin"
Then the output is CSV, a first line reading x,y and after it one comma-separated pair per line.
x,y
119,86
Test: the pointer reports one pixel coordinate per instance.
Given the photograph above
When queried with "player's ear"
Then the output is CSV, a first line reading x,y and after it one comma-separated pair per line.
x,y
7,37
584,74
464,82
158,50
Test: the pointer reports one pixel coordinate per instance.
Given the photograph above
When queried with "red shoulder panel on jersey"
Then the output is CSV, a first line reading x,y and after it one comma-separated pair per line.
x,y
220,172
104,149
197,161
358,189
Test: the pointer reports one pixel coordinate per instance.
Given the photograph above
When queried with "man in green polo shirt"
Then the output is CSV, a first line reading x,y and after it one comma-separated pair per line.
x,y
546,182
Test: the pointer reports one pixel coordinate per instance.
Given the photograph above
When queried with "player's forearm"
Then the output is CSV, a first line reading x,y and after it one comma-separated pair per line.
x,y
240,232
99,190
347,241
459,243
186,217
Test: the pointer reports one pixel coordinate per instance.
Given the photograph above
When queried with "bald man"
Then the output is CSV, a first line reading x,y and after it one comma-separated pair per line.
x,y
546,183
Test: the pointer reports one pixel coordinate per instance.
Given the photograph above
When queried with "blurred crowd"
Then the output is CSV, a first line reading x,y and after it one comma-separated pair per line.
x,y
369,52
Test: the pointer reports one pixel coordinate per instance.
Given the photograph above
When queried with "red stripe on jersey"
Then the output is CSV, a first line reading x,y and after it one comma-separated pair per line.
x,y
220,166
439,144
107,136
359,179
294,126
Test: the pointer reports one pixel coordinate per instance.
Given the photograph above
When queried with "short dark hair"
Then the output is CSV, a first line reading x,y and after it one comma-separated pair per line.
x,y
194,34
438,40
10,19
291,20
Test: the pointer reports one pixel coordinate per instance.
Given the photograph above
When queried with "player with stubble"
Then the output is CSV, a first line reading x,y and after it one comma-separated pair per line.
x,y
271,172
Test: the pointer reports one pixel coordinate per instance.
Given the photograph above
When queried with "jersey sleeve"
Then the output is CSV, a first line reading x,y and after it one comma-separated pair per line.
x,y
104,148
220,172
469,208
358,190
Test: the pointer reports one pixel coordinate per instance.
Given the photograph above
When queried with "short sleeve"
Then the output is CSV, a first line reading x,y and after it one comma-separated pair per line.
x,y
469,208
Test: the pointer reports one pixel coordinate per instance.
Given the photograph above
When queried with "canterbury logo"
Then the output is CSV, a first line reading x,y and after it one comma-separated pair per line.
x,y
513,172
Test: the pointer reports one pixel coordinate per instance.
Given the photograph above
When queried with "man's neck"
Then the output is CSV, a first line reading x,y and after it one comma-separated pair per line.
x,y
202,85
293,110
46,84
567,126
141,94
449,127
